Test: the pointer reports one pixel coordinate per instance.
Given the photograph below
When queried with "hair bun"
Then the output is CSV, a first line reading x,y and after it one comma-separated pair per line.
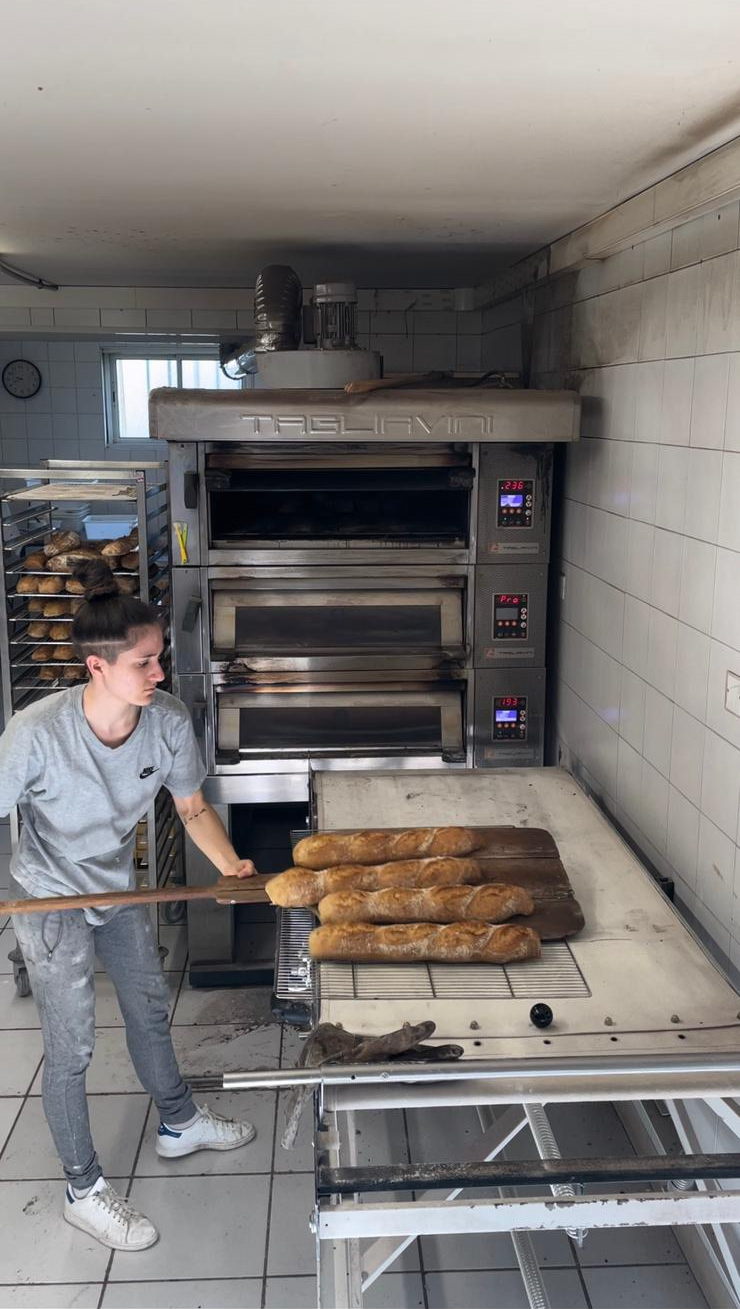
x,y
97,579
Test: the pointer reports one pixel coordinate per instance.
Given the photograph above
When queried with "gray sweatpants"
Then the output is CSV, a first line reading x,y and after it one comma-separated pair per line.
x,y
59,949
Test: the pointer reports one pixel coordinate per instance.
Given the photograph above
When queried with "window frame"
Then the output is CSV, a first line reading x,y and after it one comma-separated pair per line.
x,y
179,353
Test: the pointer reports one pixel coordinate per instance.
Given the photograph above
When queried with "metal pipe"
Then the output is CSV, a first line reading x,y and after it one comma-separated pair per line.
x,y
528,1071
526,1258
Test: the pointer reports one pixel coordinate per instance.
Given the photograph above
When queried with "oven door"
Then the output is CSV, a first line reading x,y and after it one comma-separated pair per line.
x,y
334,719
352,620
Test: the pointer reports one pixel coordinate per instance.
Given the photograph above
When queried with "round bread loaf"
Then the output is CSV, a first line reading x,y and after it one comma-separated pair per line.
x,y
50,585
60,541
28,583
63,653
36,561
42,654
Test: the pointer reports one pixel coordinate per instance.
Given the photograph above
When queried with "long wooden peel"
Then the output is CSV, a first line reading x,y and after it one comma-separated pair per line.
x,y
227,890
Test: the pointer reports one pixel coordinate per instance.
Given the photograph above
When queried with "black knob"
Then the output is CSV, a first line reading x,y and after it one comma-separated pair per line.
x,y
541,1015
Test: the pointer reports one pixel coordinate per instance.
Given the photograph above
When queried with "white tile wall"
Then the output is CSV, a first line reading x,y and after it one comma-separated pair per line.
x,y
413,330
652,516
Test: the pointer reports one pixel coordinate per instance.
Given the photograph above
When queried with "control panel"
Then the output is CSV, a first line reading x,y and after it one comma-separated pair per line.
x,y
515,502
510,718
514,494
510,616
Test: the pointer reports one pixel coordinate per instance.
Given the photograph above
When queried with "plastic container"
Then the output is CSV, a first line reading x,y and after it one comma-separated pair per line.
x,y
99,527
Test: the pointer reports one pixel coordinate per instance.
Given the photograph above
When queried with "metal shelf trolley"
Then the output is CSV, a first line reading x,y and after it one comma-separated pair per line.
x,y
33,502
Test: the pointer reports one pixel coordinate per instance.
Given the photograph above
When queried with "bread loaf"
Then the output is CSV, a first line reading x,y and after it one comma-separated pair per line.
x,y
36,561
299,886
56,608
36,606
128,585
63,653
28,583
74,586
327,849
114,549
491,903
130,561
50,585
455,943
49,674
41,653
67,560
38,630
58,631
57,542
74,673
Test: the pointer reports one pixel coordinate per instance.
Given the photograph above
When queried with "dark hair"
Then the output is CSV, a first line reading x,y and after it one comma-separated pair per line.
x,y
108,620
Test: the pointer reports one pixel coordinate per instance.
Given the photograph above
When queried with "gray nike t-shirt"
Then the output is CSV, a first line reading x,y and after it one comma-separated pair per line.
x,y
80,800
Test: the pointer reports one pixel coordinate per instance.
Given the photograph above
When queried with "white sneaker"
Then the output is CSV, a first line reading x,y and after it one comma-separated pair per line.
x,y
104,1214
209,1132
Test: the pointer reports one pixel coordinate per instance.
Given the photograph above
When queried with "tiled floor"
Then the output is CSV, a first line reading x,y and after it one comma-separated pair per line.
x,y
234,1227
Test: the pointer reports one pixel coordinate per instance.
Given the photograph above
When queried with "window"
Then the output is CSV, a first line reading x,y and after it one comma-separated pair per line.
x,y
130,378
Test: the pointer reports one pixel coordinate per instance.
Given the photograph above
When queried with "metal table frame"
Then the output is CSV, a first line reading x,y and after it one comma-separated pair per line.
x,y
511,1078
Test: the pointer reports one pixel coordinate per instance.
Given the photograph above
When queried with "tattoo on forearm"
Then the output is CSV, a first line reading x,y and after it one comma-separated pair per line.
x,y
196,815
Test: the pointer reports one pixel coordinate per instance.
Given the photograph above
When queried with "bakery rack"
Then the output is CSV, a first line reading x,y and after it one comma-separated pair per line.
x,y
33,502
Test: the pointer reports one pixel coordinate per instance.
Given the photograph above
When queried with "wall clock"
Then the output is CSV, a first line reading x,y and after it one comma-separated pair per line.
x,y
21,379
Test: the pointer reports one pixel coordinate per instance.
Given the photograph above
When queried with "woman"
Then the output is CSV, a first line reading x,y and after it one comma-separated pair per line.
x,y
83,765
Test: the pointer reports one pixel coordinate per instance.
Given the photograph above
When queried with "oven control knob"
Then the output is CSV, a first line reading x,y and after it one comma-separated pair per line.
x,y
541,1015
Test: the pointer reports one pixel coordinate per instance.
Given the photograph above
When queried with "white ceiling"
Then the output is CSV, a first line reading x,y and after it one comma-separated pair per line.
x,y
399,142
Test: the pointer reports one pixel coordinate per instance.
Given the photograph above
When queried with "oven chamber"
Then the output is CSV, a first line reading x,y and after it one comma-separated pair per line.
x,y
359,582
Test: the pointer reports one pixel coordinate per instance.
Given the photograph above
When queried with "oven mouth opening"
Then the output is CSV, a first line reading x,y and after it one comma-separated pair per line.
x,y
387,506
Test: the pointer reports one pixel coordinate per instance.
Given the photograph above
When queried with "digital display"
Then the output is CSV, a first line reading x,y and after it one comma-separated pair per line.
x,y
508,701
506,612
510,501
510,484
506,715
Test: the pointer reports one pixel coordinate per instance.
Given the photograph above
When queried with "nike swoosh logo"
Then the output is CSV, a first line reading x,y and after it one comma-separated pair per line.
x,y
147,772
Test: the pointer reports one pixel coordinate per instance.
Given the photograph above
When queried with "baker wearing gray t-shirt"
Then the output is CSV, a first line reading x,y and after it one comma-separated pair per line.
x,y
76,796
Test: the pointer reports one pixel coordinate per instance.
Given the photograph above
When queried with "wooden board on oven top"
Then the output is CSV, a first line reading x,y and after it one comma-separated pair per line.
x,y
528,857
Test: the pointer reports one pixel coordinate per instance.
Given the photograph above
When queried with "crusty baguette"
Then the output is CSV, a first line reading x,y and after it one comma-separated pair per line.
x,y
455,943
300,886
490,903
327,849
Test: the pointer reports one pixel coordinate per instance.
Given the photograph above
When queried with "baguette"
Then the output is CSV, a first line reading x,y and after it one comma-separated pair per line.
x,y
490,903
300,886
455,943
327,849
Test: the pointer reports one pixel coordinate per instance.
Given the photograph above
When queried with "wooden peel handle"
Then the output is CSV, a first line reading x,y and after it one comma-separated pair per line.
x,y
227,890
